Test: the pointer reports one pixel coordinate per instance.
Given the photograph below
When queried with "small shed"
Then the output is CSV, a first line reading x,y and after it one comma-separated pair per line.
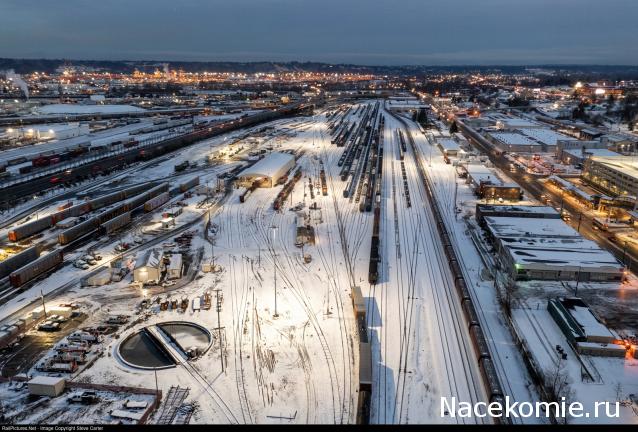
x,y
147,267
175,267
46,386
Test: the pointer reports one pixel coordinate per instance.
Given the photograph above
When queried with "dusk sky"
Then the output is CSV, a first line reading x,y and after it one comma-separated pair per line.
x,y
382,32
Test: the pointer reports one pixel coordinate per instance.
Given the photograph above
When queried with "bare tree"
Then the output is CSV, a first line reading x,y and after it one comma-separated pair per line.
x,y
558,385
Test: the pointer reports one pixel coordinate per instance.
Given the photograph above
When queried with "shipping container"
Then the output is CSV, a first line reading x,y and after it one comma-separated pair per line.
x,y
35,268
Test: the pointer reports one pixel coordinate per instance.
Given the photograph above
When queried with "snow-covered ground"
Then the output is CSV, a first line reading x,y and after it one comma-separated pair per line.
x,y
289,342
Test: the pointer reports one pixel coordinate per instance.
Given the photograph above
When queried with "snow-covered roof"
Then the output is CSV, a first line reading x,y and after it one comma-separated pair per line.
x,y
591,326
530,227
150,258
545,136
448,144
578,153
270,166
86,109
514,123
45,380
513,138
176,262
625,165
481,173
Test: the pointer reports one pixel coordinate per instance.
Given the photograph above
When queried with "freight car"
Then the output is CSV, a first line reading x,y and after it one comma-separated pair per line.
x,y
116,223
35,268
479,342
189,184
156,202
18,260
80,230
29,228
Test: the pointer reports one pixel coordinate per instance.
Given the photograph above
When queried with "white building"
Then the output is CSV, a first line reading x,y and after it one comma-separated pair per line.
x,y
49,131
268,170
148,266
175,267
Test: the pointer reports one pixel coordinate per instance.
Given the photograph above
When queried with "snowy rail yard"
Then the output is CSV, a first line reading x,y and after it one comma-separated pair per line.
x,y
312,269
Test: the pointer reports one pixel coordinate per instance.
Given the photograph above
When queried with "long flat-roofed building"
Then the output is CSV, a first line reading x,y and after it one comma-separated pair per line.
x,y
617,176
548,249
268,170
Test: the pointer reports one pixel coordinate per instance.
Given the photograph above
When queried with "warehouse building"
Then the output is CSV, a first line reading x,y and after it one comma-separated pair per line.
x,y
448,146
516,123
578,157
486,184
514,142
548,249
268,170
49,131
577,322
148,267
617,176
519,211
547,138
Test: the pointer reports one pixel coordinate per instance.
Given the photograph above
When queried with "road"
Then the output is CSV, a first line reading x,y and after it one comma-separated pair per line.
x,y
582,220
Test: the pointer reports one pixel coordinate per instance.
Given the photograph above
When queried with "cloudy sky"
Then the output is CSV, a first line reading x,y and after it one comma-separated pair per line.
x,y
384,32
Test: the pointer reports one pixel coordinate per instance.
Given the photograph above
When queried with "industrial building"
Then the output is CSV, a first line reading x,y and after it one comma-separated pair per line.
x,y
548,249
49,131
615,175
486,184
579,156
148,266
523,211
268,170
516,123
577,322
448,146
547,138
514,142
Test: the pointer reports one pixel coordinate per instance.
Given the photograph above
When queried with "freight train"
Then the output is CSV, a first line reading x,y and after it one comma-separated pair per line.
x,y
365,357
479,343
283,194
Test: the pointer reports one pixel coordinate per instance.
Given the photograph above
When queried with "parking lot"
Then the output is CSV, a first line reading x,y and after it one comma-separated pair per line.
x,y
23,355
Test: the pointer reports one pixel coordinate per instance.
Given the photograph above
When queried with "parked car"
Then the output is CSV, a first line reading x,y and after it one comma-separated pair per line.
x,y
49,326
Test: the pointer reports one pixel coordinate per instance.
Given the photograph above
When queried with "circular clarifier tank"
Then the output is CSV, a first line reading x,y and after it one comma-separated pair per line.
x,y
188,336
148,347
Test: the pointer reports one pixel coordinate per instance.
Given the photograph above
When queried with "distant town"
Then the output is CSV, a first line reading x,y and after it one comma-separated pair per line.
x,y
249,243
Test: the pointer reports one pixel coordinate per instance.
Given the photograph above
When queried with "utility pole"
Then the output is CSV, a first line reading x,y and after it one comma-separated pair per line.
x,y
218,308
577,280
580,218
43,305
